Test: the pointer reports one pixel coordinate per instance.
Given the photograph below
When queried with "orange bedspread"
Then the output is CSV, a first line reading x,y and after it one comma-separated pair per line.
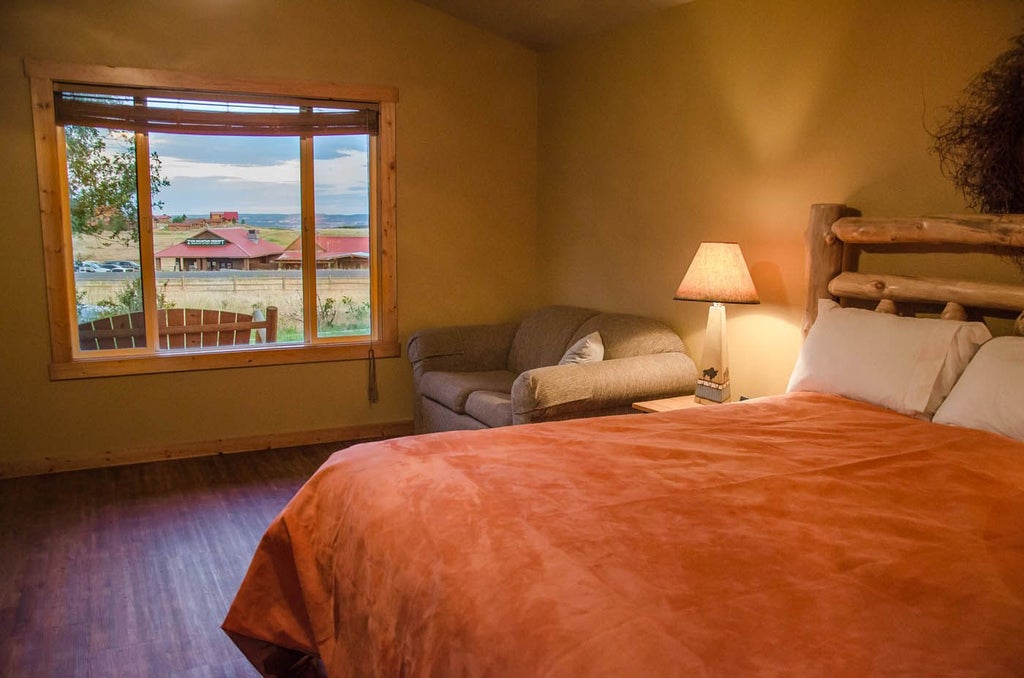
x,y
797,535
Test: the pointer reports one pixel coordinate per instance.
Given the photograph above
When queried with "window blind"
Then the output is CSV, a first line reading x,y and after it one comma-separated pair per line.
x,y
185,112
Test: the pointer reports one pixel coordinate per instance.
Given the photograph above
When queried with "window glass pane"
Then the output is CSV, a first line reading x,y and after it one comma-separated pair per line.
x,y
342,196
105,237
229,212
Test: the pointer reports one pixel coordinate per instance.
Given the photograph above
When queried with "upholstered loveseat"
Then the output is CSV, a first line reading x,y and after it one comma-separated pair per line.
x,y
483,376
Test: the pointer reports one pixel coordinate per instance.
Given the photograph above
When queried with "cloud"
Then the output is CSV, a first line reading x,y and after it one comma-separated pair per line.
x,y
338,146
279,173
201,195
251,150
236,150
260,174
342,184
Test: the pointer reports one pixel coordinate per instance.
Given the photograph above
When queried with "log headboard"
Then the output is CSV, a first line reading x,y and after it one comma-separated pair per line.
x,y
837,234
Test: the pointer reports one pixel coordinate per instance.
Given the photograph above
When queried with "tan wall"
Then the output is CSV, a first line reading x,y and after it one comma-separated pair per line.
x,y
725,120
719,119
467,209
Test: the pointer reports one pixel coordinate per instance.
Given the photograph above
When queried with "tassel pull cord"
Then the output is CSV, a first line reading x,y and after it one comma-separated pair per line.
x,y
371,387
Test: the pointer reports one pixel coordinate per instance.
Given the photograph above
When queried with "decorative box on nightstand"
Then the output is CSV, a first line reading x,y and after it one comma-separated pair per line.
x,y
666,404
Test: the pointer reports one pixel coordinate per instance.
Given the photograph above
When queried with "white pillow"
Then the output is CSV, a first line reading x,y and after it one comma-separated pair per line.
x,y
905,364
990,393
587,350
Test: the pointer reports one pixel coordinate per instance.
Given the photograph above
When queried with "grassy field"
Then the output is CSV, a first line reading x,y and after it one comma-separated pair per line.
x,y
237,293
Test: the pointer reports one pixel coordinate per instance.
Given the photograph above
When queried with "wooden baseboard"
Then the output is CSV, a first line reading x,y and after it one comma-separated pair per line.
x,y
204,448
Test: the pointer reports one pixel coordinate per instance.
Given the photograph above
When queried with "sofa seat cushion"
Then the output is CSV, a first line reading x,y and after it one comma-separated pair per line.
x,y
493,408
452,389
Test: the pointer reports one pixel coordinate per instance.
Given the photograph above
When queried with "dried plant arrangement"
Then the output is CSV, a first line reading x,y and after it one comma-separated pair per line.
x,y
981,146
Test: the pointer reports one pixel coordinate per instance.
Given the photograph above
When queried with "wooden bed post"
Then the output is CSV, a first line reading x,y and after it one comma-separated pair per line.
x,y
824,255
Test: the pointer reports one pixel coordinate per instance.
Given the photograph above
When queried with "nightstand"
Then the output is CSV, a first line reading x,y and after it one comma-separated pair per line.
x,y
666,404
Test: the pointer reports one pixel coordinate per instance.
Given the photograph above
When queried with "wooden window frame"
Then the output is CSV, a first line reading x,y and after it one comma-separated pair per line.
x,y
68,362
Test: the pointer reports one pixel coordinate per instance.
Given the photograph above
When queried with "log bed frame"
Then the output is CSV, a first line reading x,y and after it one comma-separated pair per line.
x,y
837,234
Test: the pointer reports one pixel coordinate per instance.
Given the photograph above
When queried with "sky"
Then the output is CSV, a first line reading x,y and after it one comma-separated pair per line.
x,y
254,175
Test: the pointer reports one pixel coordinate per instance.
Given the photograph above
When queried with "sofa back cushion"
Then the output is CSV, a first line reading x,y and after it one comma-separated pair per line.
x,y
625,336
544,335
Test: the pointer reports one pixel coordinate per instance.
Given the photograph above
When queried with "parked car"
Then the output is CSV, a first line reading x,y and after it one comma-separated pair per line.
x,y
113,267
128,265
89,267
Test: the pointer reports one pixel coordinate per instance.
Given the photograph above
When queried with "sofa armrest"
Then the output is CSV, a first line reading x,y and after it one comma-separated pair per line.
x,y
561,391
463,348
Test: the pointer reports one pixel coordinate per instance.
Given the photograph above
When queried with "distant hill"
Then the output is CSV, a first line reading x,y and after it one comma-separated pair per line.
x,y
292,220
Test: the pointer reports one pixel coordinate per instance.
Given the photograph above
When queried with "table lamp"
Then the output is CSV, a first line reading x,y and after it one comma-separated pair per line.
x,y
718,273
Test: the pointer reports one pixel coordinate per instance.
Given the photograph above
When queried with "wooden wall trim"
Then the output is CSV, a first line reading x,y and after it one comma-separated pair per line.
x,y
204,448
136,77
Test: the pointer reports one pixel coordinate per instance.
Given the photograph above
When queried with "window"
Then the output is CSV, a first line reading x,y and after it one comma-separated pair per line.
x,y
192,223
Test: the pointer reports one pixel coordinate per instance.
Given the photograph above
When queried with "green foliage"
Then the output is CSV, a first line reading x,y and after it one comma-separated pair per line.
x,y
102,183
128,299
326,313
355,320
358,314
81,305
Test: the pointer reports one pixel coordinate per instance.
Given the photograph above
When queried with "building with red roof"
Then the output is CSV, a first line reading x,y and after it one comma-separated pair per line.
x,y
212,249
332,251
217,217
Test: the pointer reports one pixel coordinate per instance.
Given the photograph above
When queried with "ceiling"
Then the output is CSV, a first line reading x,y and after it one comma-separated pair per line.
x,y
547,23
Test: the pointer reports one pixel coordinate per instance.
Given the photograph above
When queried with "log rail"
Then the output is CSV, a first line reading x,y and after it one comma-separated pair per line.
x,y
975,231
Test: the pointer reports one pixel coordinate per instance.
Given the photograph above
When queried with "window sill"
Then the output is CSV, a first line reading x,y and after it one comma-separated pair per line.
x,y
215,359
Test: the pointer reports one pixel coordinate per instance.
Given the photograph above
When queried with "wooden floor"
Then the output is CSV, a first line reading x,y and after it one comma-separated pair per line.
x,y
129,571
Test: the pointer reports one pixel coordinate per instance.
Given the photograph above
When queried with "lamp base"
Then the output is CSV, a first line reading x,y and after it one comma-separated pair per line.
x,y
713,380
712,396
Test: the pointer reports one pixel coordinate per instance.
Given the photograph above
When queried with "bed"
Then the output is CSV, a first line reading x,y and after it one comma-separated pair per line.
x,y
870,521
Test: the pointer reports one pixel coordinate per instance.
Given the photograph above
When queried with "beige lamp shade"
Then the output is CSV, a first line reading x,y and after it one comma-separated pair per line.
x,y
718,273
